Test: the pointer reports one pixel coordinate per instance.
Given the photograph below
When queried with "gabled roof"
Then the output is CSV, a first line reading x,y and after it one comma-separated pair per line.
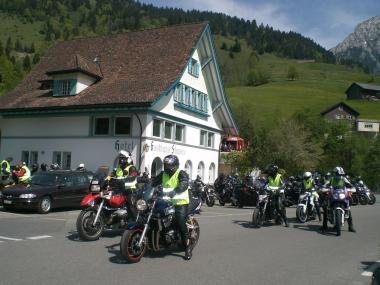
x,y
137,67
77,63
365,86
352,111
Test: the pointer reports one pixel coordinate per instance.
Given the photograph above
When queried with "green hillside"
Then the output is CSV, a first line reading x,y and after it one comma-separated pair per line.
x,y
317,86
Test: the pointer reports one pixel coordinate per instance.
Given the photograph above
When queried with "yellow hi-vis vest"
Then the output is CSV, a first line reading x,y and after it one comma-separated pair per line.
x,y
170,183
26,175
8,168
274,182
308,184
120,171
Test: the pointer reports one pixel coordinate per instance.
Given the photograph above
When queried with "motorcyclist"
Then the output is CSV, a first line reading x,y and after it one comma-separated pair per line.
x,y
197,186
178,180
338,181
309,185
274,179
22,173
125,166
6,168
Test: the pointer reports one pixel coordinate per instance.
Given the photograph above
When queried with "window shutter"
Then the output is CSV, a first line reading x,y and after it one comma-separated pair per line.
x,y
197,68
56,87
206,103
183,93
176,93
73,86
189,66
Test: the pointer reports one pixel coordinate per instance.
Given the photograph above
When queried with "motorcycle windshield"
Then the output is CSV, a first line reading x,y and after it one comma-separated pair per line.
x,y
147,193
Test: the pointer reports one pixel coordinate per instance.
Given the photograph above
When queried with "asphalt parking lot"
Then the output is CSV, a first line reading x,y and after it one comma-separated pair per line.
x,y
45,249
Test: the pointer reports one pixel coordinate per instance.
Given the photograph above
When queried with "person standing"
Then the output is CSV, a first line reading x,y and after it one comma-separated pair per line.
x,y
6,168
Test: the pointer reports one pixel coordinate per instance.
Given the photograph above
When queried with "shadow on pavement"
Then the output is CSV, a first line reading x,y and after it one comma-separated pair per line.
x,y
73,235
119,259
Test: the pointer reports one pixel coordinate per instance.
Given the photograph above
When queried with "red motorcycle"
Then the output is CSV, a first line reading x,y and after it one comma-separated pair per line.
x,y
106,207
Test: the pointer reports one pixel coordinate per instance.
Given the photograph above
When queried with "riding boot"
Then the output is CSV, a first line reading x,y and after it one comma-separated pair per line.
x,y
350,223
318,209
324,223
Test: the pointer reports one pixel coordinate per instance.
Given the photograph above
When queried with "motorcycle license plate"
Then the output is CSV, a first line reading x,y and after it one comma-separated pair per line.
x,y
7,202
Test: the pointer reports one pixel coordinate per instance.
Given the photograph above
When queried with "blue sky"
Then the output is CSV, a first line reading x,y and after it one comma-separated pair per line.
x,y
327,22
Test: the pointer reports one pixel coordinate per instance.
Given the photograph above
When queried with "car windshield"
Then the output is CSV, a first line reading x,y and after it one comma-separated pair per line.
x,y
43,179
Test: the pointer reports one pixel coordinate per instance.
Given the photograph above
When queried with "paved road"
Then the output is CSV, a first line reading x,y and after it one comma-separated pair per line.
x,y
44,249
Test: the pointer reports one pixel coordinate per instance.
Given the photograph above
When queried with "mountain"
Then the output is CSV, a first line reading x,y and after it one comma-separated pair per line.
x,y
362,46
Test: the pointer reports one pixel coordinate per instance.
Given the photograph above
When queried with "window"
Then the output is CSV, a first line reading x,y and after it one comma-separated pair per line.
x,y
203,138
211,173
189,169
63,159
65,87
25,157
337,116
168,130
194,67
179,133
190,99
102,126
33,157
210,140
122,126
157,128
81,179
201,170
368,126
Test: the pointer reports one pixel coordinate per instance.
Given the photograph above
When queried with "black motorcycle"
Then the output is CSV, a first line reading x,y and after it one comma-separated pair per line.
x,y
363,195
205,192
245,193
154,228
265,210
293,189
225,190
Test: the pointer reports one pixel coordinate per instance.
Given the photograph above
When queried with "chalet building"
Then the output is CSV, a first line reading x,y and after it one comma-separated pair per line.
x,y
363,91
341,111
153,92
367,127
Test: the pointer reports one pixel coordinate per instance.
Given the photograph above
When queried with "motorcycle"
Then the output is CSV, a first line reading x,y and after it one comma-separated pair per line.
x,y
363,195
224,192
306,208
265,210
105,207
154,228
205,192
245,194
338,210
292,191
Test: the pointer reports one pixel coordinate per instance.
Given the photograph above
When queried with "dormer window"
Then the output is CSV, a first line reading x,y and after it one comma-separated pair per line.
x,y
194,67
64,87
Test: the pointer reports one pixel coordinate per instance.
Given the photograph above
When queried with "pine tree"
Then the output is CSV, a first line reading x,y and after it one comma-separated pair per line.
x,y
36,58
26,63
8,47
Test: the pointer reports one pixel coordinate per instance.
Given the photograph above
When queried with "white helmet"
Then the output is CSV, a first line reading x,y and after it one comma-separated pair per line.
x,y
81,165
307,175
339,171
124,153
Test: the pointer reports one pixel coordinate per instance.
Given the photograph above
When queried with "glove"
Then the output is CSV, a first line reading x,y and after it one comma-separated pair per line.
x,y
171,194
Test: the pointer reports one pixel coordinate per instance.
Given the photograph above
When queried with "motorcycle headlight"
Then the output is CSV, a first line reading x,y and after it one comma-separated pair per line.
x,y
342,196
262,197
141,205
28,196
95,188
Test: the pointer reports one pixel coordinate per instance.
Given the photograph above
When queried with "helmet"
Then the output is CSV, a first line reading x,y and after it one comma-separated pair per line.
x,y
273,169
124,158
54,166
171,164
81,165
307,175
339,171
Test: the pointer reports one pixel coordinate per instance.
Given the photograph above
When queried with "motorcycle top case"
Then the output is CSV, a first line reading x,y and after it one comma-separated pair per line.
x,y
116,200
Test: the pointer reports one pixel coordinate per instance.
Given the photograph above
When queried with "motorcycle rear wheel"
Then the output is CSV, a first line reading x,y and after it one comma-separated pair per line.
x,y
301,214
221,203
257,220
129,248
86,230
372,199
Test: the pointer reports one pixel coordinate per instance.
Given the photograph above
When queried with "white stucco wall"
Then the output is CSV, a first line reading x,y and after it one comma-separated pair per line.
x,y
364,126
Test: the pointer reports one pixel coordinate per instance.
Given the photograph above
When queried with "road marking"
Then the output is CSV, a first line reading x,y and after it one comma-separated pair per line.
x,y
8,238
38,237
223,215
55,219
12,214
371,269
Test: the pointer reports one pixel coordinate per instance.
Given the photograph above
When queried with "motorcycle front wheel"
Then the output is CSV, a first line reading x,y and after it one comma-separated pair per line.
x,y
86,230
363,200
129,247
338,221
301,214
257,219
372,199
210,201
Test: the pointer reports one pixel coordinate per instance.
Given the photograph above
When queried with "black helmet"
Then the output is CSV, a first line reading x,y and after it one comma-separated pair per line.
x,y
44,166
273,169
171,164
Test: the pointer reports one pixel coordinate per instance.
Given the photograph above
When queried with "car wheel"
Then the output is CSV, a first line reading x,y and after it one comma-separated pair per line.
x,y
44,205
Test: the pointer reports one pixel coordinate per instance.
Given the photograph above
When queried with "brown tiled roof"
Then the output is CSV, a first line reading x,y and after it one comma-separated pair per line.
x,y
137,67
77,63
